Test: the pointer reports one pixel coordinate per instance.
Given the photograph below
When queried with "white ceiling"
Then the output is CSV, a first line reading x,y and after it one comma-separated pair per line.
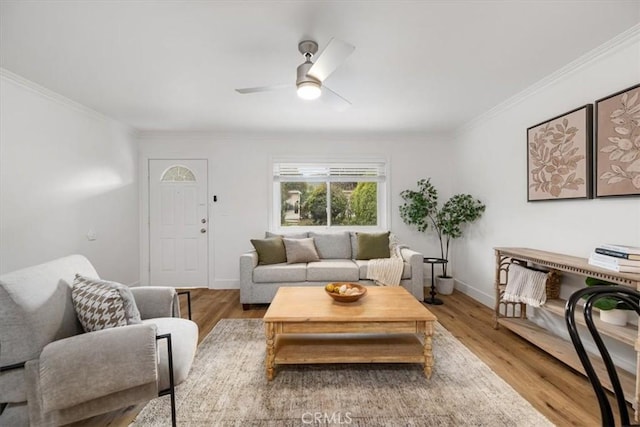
x,y
419,66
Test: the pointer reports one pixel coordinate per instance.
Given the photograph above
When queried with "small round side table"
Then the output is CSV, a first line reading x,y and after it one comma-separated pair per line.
x,y
433,261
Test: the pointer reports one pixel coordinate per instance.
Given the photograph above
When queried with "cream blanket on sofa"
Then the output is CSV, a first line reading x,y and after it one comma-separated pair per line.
x,y
387,271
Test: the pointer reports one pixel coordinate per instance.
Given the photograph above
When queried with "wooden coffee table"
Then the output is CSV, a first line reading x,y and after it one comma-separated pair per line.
x,y
388,325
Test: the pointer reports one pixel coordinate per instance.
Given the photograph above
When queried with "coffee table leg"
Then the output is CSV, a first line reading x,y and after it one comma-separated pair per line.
x,y
428,349
270,333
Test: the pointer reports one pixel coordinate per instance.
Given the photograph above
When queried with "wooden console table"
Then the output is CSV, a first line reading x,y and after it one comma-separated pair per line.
x,y
513,316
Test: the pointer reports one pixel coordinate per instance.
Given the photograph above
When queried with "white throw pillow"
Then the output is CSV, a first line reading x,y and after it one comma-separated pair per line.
x,y
300,250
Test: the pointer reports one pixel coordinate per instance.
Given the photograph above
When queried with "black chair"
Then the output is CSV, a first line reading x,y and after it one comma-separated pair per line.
x,y
591,295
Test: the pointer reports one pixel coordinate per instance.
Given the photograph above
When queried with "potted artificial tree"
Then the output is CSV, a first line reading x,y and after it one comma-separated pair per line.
x,y
420,208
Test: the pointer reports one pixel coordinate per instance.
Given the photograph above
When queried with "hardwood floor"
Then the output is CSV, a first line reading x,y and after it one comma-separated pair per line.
x,y
563,395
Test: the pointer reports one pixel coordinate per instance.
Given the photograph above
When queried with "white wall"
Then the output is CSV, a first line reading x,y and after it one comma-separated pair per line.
x,y
239,175
65,170
491,164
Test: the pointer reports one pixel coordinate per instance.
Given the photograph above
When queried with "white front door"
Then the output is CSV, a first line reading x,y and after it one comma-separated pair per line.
x,y
178,223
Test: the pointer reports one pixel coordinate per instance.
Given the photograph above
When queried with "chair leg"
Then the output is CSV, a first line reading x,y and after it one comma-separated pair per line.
x,y
171,391
188,294
173,407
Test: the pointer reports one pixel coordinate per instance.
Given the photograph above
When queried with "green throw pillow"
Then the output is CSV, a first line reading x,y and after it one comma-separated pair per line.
x,y
270,251
373,245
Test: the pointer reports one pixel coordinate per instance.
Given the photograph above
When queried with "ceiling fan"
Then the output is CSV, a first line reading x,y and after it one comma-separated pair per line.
x,y
311,75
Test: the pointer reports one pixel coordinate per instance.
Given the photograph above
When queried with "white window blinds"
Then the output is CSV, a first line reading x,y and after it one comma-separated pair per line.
x,y
332,172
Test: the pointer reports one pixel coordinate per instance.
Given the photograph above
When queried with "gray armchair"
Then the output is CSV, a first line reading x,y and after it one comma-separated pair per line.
x,y
52,373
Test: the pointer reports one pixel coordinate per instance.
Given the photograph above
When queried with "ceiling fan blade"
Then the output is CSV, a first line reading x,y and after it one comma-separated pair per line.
x,y
263,88
331,58
332,98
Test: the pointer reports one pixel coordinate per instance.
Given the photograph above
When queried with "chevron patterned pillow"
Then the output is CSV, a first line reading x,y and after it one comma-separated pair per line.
x,y
101,304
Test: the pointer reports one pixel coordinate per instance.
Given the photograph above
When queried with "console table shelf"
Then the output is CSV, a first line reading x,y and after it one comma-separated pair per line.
x,y
513,316
627,334
564,352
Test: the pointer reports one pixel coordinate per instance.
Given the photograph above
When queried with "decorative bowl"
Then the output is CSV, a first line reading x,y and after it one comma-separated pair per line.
x,y
358,292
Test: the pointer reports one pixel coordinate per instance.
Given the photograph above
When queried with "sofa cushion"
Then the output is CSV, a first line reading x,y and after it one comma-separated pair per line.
x,y
300,250
270,250
354,244
332,245
300,235
101,304
280,273
343,270
373,245
363,263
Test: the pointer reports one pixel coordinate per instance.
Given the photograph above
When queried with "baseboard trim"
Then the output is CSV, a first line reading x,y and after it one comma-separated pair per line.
x,y
225,284
484,298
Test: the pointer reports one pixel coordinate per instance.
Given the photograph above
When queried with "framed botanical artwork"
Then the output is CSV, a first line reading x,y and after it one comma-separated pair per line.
x,y
559,157
617,153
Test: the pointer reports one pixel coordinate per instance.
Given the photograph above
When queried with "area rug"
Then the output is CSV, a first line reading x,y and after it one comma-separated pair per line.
x,y
227,387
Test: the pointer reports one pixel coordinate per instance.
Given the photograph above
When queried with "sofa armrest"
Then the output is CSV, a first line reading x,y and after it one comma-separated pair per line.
x,y
416,261
156,301
95,364
248,261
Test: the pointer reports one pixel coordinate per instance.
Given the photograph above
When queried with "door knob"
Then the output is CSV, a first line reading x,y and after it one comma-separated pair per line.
x,y
204,221
203,230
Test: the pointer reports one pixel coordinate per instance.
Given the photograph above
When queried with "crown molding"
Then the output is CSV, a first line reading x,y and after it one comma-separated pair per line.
x,y
268,136
622,40
60,99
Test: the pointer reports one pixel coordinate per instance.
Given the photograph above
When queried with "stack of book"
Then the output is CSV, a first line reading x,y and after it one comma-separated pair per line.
x,y
624,259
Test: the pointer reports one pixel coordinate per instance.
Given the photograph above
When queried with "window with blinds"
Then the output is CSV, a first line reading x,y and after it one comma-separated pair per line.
x,y
329,194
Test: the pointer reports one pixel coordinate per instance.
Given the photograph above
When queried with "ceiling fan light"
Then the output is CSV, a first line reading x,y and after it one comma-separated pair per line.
x,y
309,90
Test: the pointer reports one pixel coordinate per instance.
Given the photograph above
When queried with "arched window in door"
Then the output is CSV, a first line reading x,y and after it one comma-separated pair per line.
x,y
178,174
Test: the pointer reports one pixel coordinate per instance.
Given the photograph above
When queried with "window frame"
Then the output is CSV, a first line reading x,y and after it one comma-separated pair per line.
x,y
383,193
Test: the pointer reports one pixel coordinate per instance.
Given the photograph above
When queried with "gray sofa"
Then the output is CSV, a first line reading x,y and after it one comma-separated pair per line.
x,y
337,252
70,375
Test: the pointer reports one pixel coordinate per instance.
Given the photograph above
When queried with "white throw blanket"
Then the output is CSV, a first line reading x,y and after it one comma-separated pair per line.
x,y
526,285
387,271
